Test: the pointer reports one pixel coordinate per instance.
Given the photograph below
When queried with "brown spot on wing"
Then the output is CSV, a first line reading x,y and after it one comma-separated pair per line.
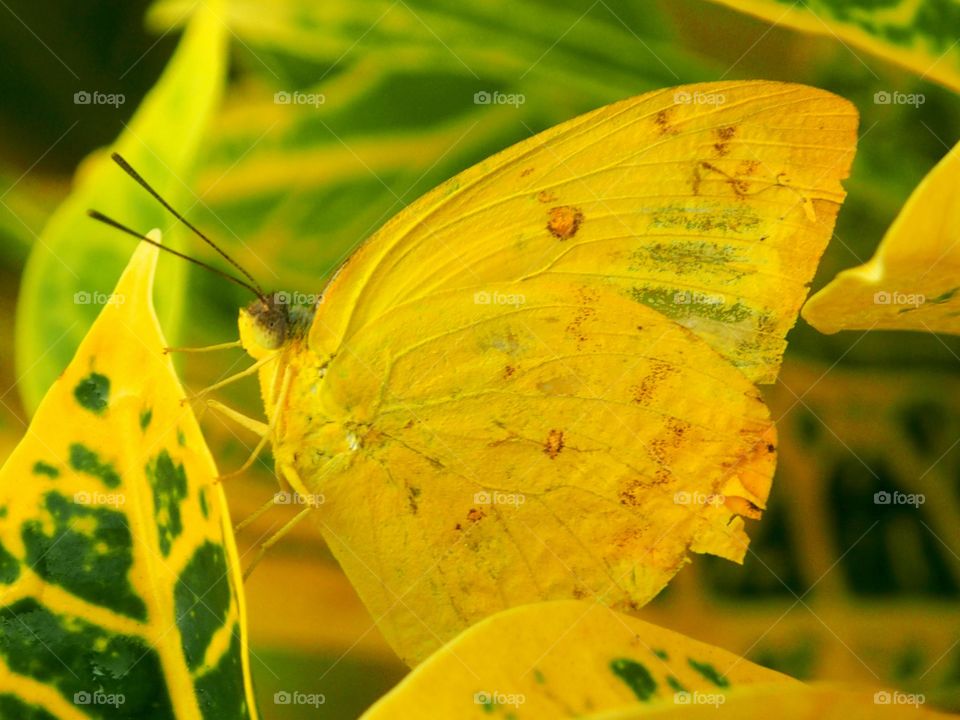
x,y
508,371
554,443
724,136
659,371
546,196
564,221
662,121
476,515
526,172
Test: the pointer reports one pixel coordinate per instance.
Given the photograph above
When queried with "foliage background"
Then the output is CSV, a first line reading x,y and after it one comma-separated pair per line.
x,y
837,587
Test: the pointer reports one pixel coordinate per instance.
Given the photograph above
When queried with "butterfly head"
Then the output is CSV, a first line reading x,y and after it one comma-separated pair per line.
x,y
264,324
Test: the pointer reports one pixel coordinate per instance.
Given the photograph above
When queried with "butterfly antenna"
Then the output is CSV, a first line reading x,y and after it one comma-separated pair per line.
x,y
128,169
96,215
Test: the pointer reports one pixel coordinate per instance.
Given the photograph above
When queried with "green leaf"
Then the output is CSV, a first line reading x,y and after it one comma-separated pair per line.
x,y
75,261
921,36
121,590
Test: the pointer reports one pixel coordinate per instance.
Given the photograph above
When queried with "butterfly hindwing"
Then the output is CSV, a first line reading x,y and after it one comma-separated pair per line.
x,y
567,443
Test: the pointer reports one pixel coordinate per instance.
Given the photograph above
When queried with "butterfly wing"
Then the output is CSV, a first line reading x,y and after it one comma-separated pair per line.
x,y
537,378
571,443
710,203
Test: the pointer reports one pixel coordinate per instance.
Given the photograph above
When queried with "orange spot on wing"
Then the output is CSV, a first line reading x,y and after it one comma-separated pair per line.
x,y
564,221
554,443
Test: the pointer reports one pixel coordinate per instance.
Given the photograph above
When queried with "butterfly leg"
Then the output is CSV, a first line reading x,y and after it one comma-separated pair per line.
x,y
208,348
255,426
265,431
233,378
275,538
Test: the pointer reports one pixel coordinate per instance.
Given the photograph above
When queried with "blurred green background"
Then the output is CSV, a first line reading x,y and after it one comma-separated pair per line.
x,y
836,587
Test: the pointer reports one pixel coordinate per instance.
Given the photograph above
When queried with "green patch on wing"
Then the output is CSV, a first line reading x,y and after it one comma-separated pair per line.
x,y
169,483
690,258
88,551
686,305
705,219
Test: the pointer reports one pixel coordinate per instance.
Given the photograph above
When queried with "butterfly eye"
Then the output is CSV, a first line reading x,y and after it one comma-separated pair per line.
x,y
269,321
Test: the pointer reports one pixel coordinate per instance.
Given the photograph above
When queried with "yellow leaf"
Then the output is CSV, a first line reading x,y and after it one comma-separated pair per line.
x,y
788,702
921,36
568,659
911,282
118,578
535,382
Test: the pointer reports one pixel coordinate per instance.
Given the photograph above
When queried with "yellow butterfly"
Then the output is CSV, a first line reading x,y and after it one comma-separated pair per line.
x,y
536,382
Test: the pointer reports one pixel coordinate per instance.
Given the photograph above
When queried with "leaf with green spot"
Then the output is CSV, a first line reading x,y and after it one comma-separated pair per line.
x,y
921,36
565,659
121,585
72,266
